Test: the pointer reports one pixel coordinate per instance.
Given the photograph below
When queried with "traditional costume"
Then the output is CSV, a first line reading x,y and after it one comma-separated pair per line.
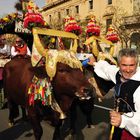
x,y
129,92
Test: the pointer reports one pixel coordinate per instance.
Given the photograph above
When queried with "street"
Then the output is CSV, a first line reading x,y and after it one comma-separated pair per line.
x,y
23,131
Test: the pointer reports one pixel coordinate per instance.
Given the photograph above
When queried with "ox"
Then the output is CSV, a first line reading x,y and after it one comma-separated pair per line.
x,y
67,83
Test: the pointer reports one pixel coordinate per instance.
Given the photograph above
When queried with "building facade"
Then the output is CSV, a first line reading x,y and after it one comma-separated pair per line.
x,y
123,14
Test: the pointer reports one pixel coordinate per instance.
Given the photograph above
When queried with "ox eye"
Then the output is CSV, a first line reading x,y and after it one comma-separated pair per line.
x,y
62,70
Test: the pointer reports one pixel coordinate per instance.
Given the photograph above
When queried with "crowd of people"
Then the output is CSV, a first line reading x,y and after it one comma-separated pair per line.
x,y
8,52
19,47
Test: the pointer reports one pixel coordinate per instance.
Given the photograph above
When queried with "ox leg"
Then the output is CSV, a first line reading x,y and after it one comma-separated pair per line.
x,y
73,116
2,103
13,112
87,108
58,134
24,116
35,122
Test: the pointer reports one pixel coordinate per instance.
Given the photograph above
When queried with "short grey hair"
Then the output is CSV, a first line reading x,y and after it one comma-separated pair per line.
x,y
128,52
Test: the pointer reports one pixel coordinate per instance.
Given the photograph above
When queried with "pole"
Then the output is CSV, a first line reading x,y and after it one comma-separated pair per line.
x,y
103,107
113,127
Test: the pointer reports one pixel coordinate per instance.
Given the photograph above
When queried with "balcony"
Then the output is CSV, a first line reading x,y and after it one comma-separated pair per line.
x,y
132,21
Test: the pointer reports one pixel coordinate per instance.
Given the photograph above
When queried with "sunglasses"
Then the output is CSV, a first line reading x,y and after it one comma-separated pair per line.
x,y
19,42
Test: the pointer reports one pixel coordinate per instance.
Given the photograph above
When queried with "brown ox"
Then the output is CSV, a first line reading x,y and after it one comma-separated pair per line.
x,y
67,81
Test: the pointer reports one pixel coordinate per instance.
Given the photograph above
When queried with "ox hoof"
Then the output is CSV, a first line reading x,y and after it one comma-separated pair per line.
x,y
91,126
11,124
88,97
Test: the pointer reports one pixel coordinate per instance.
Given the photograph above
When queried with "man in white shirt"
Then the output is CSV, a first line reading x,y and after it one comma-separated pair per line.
x,y
20,48
4,49
126,119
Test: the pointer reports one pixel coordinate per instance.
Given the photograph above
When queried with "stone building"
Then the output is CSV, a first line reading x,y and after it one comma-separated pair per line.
x,y
123,14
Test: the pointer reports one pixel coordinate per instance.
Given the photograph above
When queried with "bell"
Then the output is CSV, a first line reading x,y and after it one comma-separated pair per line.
x,y
55,106
62,116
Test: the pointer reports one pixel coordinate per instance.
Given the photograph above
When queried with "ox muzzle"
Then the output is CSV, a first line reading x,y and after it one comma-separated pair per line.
x,y
85,93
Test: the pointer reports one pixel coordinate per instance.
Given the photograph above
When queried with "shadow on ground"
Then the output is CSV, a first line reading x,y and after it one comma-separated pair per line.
x,y
16,131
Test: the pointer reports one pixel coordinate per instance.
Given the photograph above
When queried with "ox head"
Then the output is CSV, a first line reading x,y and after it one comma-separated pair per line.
x,y
67,79
71,82
66,72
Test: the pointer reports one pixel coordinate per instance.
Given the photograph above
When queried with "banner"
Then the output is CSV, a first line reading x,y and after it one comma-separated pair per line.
x,y
19,27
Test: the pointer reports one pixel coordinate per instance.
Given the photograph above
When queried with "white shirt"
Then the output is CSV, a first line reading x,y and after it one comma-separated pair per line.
x,y
5,50
108,72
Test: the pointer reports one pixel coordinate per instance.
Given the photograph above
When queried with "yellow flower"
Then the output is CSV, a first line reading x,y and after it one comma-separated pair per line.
x,y
52,40
6,19
13,15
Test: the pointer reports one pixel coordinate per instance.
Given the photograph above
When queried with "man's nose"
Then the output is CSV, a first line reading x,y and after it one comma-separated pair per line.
x,y
128,69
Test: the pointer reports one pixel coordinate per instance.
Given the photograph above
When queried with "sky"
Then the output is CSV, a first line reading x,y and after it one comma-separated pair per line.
x,y
7,6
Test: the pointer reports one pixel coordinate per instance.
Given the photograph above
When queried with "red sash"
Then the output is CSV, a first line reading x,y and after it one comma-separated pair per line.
x,y
127,136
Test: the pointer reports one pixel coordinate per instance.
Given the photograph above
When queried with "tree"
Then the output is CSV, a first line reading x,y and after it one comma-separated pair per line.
x,y
19,5
118,22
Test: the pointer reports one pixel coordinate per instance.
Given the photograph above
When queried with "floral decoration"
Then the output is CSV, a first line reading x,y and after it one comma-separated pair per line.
x,y
7,20
33,20
112,35
72,26
93,28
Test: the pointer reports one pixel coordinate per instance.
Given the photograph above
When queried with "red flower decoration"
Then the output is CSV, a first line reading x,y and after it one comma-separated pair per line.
x,y
33,20
112,35
92,28
72,26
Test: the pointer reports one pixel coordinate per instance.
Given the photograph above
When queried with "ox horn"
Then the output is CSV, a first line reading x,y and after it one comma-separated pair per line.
x,y
93,82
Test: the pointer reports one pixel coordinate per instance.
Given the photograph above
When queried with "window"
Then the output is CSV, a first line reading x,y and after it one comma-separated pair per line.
x,y
67,11
108,22
59,15
50,18
90,4
77,9
135,41
109,1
